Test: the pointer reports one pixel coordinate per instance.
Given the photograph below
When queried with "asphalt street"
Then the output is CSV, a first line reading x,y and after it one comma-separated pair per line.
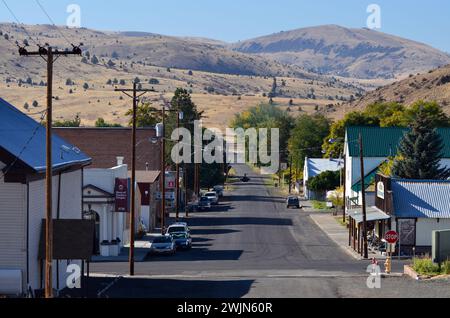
x,y
252,246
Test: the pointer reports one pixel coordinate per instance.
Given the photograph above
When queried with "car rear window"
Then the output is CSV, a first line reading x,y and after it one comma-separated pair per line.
x,y
175,229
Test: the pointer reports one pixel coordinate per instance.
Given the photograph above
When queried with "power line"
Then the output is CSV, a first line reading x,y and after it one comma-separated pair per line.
x,y
20,23
53,22
39,125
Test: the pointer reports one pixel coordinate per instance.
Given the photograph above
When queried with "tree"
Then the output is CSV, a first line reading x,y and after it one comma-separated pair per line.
x,y
146,116
76,122
85,86
111,64
94,59
101,123
325,181
35,103
307,137
69,82
420,152
26,106
153,81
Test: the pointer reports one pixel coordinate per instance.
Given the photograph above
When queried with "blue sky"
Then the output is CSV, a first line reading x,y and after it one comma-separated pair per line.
x,y
233,20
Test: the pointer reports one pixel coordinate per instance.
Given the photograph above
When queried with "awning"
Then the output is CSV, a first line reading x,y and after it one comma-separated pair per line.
x,y
368,181
372,213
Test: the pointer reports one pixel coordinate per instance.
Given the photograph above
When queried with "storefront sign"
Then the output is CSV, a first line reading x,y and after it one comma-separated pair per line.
x,y
121,195
380,190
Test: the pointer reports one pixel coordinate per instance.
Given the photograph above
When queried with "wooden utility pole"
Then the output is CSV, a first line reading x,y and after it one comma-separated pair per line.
x,y
177,181
363,191
50,56
134,95
290,175
163,172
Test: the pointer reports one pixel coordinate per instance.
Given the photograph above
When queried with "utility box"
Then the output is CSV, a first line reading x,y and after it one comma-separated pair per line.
x,y
441,246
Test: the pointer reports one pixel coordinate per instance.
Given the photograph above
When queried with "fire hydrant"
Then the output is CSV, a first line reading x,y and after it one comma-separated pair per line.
x,y
388,265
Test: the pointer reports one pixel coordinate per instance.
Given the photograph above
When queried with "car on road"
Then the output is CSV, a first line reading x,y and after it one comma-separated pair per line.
x,y
204,204
219,190
163,244
213,197
182,240
293,202
245,179
179,227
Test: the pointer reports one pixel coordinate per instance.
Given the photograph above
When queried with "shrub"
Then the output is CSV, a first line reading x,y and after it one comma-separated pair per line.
x,y
425,266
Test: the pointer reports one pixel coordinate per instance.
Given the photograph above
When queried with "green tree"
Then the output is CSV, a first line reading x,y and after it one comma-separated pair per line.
x,y
75,122
420,151
325,181
307,137
101,123
146,116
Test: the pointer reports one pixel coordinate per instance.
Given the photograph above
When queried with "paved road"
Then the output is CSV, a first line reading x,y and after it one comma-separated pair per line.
x,y
252,246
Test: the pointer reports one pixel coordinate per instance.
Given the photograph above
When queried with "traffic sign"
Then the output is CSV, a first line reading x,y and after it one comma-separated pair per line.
x,y
391,237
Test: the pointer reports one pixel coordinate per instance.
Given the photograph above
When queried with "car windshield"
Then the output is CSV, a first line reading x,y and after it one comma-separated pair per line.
x,y
293,200
175,229
203,199
162,239
211,194
180,236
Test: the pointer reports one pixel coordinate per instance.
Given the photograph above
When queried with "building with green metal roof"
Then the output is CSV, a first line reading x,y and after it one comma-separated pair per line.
x,y
379,144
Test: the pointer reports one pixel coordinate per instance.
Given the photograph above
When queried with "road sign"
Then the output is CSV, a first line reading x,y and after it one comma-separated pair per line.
x,y
391,237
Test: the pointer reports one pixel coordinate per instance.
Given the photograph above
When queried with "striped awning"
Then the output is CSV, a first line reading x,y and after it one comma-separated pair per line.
x,y
372,213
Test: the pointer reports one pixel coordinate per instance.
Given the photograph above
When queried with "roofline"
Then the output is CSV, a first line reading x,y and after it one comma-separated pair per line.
x,y
103,128
65,165
420,181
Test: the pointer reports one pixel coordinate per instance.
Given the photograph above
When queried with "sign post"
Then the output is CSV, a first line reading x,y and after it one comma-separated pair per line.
x,y
391,238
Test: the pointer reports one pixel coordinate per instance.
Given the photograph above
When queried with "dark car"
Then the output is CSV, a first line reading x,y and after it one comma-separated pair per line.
x,y
245,179
293,202
204,203
182,240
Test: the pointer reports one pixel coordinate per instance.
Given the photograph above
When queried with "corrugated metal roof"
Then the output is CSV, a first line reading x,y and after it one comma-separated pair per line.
x,y
421,199
372,214
384,142
317,166
16,129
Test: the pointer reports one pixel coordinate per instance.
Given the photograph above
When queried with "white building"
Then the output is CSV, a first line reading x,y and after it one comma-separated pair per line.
x,y
379,144
99,205
314,167
22,198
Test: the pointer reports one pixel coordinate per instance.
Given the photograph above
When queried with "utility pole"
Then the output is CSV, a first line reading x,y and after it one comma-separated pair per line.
x,y
134,95
50,56
163,171
290,175
177,201
363,191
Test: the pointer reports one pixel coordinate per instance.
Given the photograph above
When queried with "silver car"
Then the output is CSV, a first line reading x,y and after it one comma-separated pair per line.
x,y
163,244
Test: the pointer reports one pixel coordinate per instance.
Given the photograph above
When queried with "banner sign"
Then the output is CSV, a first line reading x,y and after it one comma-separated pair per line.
x,y
121,195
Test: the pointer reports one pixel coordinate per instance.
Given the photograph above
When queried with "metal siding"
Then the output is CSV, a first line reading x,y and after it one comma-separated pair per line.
x,y
421,199
15,134
13,227
384,142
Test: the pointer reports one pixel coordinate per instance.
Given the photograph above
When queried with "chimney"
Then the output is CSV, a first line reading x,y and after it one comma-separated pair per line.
x,y
120,161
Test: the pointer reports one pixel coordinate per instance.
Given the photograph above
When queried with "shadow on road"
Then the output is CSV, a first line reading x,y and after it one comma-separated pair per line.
x,y
219,221
161,288
255,198
198,254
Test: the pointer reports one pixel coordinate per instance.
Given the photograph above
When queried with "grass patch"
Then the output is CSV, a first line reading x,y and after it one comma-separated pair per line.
x,y
319,205
341,222
425,266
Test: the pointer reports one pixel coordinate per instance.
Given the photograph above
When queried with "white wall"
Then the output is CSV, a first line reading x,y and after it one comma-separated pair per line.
x,y
425,227
13,227
70,208
112,224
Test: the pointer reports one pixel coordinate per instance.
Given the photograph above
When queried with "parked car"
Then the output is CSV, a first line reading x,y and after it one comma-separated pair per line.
x,y
182,240
204,204
293,202
179,227
245,179
163,244
219,190
213,196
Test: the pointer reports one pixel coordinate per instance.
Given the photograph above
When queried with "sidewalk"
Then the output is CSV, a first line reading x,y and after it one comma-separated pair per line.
x,y
142,249
339,234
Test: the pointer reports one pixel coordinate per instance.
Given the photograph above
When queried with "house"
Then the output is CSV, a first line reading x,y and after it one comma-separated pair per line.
x,y
106,145
379,145
22,197
314,167
417,208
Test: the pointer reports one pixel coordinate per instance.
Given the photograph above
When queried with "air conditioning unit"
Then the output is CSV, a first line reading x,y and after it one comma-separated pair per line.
x,y
10,282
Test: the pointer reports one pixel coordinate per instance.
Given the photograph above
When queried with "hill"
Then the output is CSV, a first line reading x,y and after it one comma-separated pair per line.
x,y
433,85
335,50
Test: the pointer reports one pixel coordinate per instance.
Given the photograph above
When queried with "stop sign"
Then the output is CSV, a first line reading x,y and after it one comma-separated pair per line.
x,y
391,237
